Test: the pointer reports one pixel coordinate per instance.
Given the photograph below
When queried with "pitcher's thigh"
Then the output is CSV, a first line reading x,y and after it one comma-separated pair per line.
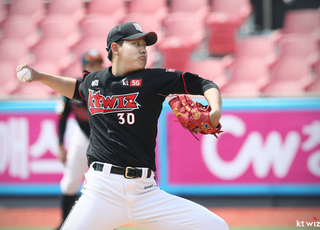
x,y
165,211
94,214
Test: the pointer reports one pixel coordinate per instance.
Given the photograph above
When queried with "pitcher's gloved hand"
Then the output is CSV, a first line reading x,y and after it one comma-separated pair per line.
x,y
193,116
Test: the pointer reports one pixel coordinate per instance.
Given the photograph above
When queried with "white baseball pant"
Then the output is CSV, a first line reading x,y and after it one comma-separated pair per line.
x,y
76,164
110,200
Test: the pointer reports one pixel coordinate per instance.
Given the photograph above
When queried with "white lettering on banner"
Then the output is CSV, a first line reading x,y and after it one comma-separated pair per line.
x,y
13,147
273,153
262,156
314,163
313,131
46,166
218,167
47,140
4,156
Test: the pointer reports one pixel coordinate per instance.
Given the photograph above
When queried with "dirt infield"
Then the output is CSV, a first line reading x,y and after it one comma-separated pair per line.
x,y
235,217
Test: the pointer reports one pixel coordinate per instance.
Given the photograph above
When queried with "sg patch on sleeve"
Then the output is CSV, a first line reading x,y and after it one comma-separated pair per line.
x,y
135,82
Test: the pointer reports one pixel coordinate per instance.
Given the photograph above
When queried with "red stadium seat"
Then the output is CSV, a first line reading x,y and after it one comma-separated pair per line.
x,y
175,54
34,9
8,81
230,11
222,39
199,8
52,51
303,21
75,9
97,28
13,51
299,46
179,25
247,78
183,35
223,22
34,90
258,47
113,9
74,70
157,9
62,28
47,66
211,69
290,76
21,28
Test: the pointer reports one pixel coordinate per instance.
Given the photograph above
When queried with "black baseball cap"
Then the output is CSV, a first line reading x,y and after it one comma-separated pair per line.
x,y
130,31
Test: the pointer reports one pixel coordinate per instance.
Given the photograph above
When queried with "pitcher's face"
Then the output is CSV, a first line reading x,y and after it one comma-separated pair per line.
x,y
133,54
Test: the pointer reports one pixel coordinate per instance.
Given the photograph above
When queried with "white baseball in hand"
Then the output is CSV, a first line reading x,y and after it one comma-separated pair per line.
x,y
24,75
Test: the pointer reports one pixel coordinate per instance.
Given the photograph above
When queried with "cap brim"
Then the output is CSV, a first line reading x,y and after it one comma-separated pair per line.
x,y
150,37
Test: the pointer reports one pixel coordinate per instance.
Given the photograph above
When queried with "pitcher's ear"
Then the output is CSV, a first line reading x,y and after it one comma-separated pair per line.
x,y
114,47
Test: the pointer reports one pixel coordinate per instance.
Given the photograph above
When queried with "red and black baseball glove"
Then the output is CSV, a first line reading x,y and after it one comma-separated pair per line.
x,y
193,116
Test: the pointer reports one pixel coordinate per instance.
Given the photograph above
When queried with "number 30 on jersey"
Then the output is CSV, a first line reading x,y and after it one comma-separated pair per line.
x,y
126,117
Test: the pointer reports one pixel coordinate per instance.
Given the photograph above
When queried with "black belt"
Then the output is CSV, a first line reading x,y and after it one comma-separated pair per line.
x,y
128,172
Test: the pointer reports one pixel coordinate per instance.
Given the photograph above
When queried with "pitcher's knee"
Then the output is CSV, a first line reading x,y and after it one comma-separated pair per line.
x,y
222,225
214,222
